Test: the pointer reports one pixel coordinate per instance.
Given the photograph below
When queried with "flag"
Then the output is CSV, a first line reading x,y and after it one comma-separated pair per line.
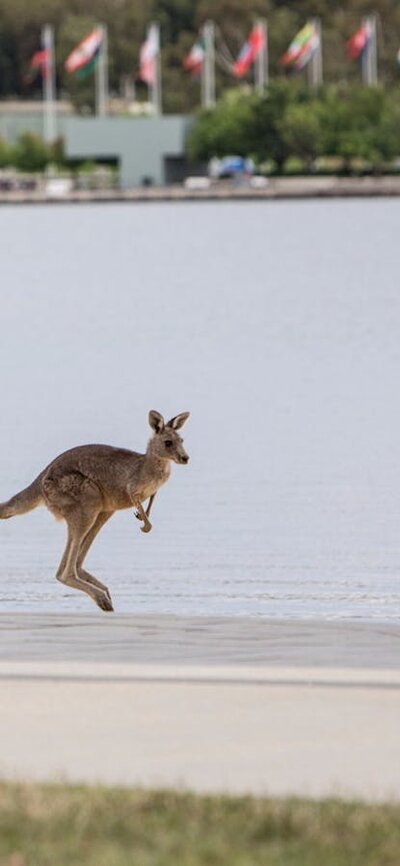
x,y
302,47
250,51
357,44
308,51
41,62
148,55
193,62
84,57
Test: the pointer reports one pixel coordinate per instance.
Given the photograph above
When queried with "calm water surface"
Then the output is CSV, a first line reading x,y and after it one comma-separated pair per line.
x,y
278,326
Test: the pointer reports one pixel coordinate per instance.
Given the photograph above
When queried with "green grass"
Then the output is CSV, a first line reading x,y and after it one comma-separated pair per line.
x,y
55,825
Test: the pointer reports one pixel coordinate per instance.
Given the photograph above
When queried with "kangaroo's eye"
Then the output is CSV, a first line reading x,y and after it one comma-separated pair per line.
x,y
168,443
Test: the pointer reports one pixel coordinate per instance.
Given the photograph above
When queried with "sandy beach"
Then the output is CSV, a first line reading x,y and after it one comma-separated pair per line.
x,y
236,705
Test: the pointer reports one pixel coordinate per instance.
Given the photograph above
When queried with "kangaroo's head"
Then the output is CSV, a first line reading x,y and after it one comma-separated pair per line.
x,y
166,442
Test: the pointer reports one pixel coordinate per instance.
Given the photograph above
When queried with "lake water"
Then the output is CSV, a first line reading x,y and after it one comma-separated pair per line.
x,y
278,326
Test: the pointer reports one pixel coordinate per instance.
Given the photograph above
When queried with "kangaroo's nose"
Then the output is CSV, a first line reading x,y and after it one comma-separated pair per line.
x,y
185,459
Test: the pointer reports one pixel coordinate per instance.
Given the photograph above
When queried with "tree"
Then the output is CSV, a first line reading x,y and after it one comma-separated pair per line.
x,y
223,130
5,154
245,124
265,138
360,123
30,153
300,128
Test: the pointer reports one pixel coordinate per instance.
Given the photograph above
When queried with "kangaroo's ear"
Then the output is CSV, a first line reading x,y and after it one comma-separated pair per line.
x,y
156,421
179,420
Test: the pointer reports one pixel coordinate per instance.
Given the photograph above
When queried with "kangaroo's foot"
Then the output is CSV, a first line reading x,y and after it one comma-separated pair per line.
x,y
100,597
85,575
146,521
103,601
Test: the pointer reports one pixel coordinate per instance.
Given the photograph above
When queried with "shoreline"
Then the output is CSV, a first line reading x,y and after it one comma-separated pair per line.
x,y
278,189
167,640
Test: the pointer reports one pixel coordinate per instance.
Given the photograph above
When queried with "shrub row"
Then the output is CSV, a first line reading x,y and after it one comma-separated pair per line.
x,y
30,153
358,125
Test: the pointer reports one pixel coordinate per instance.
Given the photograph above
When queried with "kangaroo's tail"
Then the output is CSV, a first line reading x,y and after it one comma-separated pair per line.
x,y
24,501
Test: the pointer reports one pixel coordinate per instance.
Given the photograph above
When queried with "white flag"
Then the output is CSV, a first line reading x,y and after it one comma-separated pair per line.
x,y
148,55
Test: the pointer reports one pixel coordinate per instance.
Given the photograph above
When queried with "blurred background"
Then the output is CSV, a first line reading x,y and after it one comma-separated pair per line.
x,y
297,88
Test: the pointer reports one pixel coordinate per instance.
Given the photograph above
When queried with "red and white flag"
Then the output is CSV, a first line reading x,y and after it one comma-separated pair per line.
x,y
86,51
250,51
148,55
41,62
194,61
357,44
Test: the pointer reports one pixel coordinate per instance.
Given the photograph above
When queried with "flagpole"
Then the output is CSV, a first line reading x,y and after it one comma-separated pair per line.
x,y
155,86
49,86
208,68
101,76
261,61
315,71
159,75
369,58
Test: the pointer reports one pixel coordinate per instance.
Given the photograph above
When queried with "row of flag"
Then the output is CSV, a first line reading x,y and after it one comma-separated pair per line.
x,y
251,49
304,50
85,55
81,61
298,54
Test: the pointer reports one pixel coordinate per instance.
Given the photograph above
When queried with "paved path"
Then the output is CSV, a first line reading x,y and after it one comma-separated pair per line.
x,y
235,705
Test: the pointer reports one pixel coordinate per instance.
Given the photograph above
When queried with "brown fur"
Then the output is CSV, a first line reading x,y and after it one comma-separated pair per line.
x,y
86,485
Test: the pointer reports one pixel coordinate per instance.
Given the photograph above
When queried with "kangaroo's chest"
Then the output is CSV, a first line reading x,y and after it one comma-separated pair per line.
x,y
150,483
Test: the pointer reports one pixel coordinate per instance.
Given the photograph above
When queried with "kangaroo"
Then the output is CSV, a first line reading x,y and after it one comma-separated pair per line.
x,y
86,485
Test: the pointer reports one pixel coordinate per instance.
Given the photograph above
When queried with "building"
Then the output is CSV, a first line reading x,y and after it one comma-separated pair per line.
x,y
147,150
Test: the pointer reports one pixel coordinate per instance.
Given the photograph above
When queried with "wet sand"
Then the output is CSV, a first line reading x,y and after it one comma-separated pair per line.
x,y
235,705
166,640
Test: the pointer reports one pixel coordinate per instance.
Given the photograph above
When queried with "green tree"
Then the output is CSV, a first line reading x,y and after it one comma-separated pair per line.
x,y
265,138
30,153
360,124
245,124
224,130
300,129
5,154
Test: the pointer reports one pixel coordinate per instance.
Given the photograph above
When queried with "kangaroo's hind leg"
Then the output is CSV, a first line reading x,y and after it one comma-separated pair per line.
x,y
80,522
87,542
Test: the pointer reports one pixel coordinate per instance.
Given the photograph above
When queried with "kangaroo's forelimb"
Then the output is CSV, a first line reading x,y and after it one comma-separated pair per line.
x,y
148,509
150,505
142,515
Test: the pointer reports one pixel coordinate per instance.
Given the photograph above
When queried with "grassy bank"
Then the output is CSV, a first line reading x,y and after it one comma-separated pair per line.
x,y
77,826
